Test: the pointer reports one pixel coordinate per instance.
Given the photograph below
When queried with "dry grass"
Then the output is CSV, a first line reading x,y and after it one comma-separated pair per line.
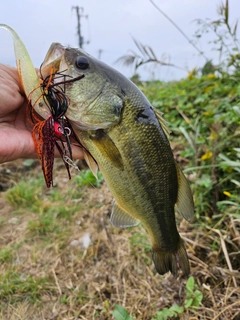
x,y
47,273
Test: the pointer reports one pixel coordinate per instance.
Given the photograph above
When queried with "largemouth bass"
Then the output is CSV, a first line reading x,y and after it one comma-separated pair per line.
x,y
122,135
128,140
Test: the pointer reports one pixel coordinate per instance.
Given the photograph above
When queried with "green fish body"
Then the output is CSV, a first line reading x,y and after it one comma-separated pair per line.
x,y
128,141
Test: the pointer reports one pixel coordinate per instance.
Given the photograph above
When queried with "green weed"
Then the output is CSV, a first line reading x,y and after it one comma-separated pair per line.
x,y
2,221
167,313
203,112
193,295
86,178
54,194
140,241
120,313
203,115
16,287
44,225
6,255
64,300
193,300
26,194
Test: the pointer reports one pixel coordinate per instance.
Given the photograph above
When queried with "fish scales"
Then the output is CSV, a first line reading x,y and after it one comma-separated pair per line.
x,y
147,186
127,138
148,183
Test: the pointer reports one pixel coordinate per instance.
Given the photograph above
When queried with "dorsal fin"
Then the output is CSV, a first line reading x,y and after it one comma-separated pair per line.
x,y
121,219
162,122
185,205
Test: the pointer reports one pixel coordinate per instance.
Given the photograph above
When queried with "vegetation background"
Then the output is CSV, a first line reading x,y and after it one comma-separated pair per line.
x,y
61,259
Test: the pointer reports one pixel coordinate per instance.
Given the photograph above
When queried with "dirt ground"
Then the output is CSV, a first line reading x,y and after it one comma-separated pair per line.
x,y
61,259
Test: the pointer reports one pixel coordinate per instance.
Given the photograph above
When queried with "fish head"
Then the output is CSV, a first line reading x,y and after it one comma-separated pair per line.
x,y
95,101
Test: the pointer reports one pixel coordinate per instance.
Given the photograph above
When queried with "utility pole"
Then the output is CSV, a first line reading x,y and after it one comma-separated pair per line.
x,y
100,51
79,12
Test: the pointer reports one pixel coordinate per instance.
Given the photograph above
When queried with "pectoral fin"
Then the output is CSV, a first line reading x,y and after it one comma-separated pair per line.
x,y
91,163
108,149
121,219
185,205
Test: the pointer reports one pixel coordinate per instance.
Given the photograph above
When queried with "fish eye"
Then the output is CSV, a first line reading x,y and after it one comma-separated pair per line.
x,y
82,63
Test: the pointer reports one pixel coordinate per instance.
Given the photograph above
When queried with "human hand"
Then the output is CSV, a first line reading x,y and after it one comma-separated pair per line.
x,y
15,130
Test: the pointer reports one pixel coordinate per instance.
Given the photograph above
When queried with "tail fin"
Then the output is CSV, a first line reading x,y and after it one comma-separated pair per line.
x,y
170,261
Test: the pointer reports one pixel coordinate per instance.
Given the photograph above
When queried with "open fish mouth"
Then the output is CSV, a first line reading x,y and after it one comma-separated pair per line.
x,y
54,62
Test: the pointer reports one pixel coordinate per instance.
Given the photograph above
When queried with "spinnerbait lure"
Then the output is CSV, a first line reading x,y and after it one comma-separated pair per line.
x,y
56,130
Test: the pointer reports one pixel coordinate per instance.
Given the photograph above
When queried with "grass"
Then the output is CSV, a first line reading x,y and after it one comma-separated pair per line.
x,y
44,224
6,255
87,178
15,287
48,272
26,194
193,300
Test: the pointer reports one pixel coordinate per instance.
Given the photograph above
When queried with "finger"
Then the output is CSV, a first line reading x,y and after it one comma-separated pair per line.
x,y
77,151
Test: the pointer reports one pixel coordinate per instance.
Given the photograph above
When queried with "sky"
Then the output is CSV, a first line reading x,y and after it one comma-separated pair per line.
x,y
110,27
